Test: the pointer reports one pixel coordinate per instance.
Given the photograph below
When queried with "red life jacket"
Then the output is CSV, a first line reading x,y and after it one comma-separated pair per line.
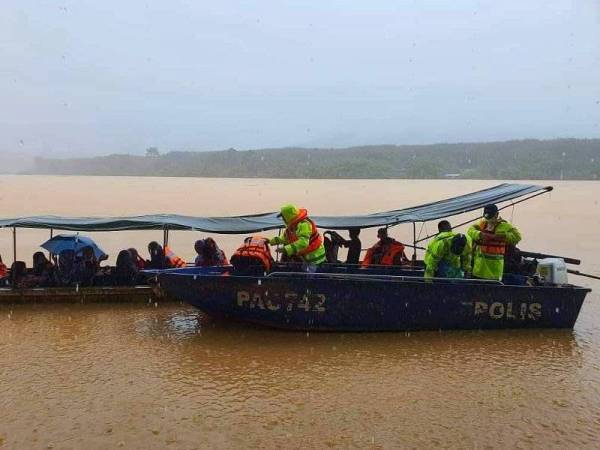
x,y
389,254
396,249
139,262
315,240
491,247
3,270
175,260
255,251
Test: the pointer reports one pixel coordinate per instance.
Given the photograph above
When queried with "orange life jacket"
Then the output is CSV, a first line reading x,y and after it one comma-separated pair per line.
x,y
390,252
491,246
175,260
255,248
315,240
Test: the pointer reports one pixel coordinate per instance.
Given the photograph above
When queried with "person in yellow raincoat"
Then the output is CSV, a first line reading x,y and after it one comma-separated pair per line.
x,y
301,237
448,254
490,236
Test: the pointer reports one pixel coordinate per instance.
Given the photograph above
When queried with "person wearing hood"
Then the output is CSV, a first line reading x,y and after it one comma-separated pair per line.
x,y
199,247
157,259
301,237
140,264
126,271
491,235
448,255
211,254
43,270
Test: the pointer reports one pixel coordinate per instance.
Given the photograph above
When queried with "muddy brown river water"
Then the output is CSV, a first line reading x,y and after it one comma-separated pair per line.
x,y
154,376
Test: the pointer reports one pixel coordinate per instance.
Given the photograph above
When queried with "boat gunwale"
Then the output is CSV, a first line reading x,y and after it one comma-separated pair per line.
x,y
364,279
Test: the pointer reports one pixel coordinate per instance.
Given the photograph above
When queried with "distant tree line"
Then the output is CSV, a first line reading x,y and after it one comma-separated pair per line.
x,y
523,159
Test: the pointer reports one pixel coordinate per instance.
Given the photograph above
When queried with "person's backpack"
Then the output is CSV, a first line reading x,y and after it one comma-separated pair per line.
x,y
254,256
458,244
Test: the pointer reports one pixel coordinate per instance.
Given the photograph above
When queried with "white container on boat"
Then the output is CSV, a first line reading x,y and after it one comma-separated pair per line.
x,y
553,270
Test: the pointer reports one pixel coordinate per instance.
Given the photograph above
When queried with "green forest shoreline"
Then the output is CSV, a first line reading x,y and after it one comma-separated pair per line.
x,y
569,159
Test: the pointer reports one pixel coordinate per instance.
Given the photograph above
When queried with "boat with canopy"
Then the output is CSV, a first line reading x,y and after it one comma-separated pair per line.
x,y
348,298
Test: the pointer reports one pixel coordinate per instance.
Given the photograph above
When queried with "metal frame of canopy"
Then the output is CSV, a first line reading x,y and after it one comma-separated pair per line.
x,y
545,190
269,221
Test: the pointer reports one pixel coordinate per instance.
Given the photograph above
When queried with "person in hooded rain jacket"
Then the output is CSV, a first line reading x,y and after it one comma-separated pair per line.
x,y
212,255
448,255
301,237
491,235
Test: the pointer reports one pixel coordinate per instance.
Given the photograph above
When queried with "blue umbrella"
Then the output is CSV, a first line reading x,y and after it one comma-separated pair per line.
x,y
73,242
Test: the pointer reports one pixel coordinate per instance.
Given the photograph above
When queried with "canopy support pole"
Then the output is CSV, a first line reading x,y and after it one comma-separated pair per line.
x,y
14,244
165,237
545,191
414,256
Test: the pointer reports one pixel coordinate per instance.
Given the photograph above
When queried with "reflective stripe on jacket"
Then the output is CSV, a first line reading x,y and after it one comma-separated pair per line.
x,y
302,238
488,260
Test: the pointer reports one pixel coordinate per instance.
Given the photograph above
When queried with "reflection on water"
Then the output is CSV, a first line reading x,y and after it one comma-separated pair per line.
x,y
150,377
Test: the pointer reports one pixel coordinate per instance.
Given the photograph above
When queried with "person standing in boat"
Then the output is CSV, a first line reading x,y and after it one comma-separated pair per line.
x,y
448,254
491,235
386,252
354,246
301,238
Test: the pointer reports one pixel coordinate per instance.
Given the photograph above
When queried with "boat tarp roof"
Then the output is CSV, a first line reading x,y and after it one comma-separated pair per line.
x,y
270,221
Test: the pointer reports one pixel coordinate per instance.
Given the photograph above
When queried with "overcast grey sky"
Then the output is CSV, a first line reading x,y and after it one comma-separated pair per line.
x,y
88,77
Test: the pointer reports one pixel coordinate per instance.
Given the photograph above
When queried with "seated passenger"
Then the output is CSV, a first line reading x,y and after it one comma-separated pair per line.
x,y
3,269
86,266
18,276
331,250
157,257
386,252
332,241
43,270
448,255
126,271
212,255
515,264
162,258
137,259
199,247
354,246
253,257
65,272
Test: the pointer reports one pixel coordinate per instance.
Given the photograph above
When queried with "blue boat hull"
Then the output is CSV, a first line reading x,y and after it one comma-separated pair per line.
x,y
314,303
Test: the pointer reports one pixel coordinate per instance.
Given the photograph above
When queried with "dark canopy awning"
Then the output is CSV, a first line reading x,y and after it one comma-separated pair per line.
x,y
269,221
